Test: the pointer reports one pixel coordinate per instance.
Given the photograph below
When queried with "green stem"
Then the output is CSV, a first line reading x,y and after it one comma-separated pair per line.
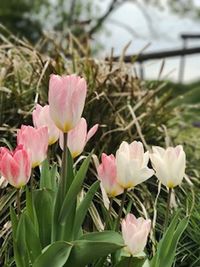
x,y
64,164
121,210
167,209
18,202
129,262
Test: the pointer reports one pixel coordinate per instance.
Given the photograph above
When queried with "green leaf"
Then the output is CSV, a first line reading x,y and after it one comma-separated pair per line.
x,y
45,181
84,206
30,209
21,241
167,246
93,246
54,255
43,202
14,221
106,236
32,239
53,174
48,176
17,256
73,191
131,262
57,228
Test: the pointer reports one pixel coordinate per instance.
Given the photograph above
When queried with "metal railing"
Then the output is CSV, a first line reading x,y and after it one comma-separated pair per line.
x,y
140,58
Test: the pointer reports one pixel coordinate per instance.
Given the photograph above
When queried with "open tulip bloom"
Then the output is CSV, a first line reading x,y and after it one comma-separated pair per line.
x,y
169,165
66,100
41,117
15,166
35,141
135,233
131,164
107,174
78,137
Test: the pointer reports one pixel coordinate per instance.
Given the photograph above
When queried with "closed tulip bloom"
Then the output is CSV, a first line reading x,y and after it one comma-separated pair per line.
x,y
107,174
41,117
135,233
132,164
78,137
66,100
169,165
35,141
15,166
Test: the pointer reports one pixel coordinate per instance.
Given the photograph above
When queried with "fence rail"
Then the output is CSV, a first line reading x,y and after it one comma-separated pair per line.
x,y
140,58
160,55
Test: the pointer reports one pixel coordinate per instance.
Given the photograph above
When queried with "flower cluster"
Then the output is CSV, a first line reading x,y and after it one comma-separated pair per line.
x,y
117,174
63,114
129,168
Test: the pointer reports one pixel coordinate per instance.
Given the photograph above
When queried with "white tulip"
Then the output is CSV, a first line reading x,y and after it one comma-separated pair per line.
x,y
169,165
132,164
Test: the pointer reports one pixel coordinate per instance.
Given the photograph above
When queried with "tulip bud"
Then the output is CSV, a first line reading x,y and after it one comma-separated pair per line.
x,y
132,164
169,165
35,141
15,166
66,100
107,174
78,137
135,233
41,117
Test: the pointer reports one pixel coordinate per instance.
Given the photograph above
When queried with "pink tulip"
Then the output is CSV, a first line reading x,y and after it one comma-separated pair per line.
x,y
41,117
107,173
66,100
35,141
78,137
135,233
15,166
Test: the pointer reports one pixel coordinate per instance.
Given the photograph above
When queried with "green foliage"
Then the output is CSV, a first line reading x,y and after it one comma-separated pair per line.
x,y
166,250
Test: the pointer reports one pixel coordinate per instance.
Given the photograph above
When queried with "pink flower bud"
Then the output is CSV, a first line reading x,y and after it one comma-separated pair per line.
x,y
41,117
35,141
135,233
66,100
78,137
132,164
107,174
15,166
169,164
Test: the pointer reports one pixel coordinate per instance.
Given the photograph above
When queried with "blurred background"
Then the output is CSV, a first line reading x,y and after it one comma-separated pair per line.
x,y
146,25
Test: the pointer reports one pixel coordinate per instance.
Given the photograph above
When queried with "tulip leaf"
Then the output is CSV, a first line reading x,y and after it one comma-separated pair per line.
x,y
45,173
167,246
48,176
32,239
14,221
30,209
64,182
54,255
53,174
18,259
131,262
43,202
92,247
21,246
73,191
84,206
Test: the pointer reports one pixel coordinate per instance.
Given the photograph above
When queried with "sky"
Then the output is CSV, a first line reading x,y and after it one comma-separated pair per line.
x,y
159,30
